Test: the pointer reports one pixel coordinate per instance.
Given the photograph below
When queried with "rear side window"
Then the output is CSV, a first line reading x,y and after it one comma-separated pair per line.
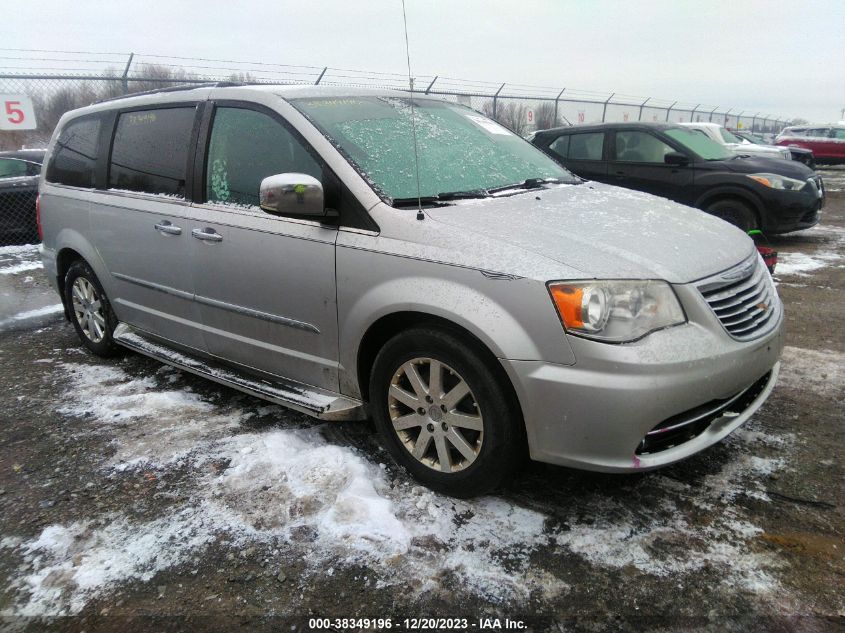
x,y
818,133
150,151
561,146
246,147
586,146
839,133
75,153
11,168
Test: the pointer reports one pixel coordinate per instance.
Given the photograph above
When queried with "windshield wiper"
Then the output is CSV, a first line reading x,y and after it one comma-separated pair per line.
x,y
528,183
412,202
462,195
440,197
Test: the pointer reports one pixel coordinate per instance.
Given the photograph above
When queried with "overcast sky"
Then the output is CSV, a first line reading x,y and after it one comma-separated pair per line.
x,y
784,58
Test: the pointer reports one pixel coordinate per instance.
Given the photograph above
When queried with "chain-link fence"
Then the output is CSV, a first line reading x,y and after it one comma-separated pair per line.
x,y
18,191
58,81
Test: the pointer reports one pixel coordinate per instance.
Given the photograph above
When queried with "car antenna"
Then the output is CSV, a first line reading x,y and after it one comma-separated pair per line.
x,y
420,215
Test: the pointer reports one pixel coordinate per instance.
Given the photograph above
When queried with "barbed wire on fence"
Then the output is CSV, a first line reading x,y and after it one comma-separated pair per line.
x,y
58,81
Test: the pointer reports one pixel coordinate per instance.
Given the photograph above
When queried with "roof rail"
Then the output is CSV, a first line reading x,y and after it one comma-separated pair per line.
x,y
177,88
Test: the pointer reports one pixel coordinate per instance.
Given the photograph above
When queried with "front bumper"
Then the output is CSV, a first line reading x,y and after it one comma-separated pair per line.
x,y
786,211
597,413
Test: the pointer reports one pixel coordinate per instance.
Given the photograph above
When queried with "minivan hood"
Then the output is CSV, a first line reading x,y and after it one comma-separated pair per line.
x,y
605,231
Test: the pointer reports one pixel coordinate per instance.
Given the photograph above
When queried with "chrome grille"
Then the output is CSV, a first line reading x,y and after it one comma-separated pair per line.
x,y
743,299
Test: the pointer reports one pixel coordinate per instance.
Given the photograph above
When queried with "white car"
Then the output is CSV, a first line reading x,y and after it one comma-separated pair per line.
x,y
717,133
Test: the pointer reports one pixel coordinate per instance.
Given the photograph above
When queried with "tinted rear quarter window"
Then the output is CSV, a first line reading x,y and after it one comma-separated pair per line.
x,y
150,151
586,146
75,153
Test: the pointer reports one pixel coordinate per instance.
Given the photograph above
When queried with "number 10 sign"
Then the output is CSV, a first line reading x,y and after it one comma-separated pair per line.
x,y
16,112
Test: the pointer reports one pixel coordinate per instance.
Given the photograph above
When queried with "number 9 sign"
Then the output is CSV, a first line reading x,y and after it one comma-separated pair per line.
x,y
16,113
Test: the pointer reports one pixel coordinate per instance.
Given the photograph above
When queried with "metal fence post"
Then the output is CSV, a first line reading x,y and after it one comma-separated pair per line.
x,y
321,75
753,119
431,84
669,110
496,99
557,98
604,110
692,115
712,112
725,120
642,105
125,79
738,117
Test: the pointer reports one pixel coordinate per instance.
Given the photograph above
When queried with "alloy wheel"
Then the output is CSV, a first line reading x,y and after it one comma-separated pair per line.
x,y
435,415
88,309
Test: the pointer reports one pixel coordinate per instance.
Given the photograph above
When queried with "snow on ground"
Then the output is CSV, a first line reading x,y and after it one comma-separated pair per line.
x,y
822,372
800,263
18,248
834,177
22,267
828,242
270,486
37,313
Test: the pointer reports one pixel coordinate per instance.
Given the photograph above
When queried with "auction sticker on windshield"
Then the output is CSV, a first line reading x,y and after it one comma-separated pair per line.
x,y
490,126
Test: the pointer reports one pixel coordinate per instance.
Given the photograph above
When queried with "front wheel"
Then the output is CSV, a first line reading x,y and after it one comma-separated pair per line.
x,y
90,311
735,212
445,414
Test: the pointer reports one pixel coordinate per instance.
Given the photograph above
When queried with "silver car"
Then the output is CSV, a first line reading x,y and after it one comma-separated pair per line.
x,y
353,253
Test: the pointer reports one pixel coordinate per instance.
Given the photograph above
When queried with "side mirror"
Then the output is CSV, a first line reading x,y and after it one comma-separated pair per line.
x,y
676,158
292,194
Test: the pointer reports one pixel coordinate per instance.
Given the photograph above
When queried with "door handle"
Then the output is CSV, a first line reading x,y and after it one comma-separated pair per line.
x,y
168,227
207,234
621,174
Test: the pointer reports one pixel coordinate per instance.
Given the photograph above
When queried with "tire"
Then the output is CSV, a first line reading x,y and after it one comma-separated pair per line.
x,y
90,310
735,212
469,434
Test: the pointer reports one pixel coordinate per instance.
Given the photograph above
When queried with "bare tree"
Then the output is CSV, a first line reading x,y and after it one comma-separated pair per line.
x,y
242,78
511,114
544,115
154,76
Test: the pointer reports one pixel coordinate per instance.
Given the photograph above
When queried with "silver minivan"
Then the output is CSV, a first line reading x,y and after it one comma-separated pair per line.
x,y
359,253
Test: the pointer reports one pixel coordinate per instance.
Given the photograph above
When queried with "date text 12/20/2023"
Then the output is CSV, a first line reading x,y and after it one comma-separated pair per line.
x,y
416,624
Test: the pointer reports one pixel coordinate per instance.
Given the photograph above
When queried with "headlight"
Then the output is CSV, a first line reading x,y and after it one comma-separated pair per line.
x,y
778,182
616,311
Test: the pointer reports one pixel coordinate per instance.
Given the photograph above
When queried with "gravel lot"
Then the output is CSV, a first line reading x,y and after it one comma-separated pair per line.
x,y
135,497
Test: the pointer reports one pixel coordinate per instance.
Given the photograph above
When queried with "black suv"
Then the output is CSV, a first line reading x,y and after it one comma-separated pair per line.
x,y
682,164
19,173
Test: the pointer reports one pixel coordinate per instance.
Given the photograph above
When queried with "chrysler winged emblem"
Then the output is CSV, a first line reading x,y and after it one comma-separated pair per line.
x,y
740,272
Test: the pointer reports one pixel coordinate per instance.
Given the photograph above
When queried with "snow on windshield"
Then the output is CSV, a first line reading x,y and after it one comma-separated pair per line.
x,y
458,149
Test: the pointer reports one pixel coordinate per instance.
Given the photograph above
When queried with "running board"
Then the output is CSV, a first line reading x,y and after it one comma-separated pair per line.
x,y
315,402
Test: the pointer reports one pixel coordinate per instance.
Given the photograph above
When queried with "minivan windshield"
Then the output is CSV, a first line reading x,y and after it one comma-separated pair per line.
x,y
699,143
461,152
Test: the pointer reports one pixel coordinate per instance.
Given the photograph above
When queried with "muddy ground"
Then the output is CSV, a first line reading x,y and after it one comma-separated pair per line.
x,y
135,498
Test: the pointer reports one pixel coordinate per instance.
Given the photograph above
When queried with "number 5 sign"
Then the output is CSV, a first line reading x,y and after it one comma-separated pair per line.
x,y
16,112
